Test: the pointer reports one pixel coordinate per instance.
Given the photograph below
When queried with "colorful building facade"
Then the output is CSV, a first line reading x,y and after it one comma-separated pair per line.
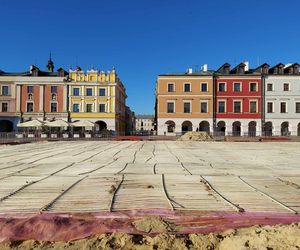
x,y
96,96
8,116
99,97
240,101
42,95
184,102
282,100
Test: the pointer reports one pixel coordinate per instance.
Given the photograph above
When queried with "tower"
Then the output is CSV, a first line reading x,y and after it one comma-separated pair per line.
x,y
50,65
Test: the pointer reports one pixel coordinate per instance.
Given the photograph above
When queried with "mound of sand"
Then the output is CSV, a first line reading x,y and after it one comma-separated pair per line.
x,y
152,224
267,237
195,136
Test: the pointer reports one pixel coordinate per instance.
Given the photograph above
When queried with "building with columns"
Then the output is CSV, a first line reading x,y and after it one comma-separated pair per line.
x,y
184,102
99,97
33,94
42,95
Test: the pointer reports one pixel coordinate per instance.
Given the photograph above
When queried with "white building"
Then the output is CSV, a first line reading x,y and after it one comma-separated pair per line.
x,y
282,100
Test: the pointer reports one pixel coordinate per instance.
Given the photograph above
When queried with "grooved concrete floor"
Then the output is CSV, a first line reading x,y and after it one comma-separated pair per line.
x,y
92,176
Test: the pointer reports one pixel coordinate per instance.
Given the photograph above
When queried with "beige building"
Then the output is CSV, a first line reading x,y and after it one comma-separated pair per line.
x,y
184,102
8,117
144,123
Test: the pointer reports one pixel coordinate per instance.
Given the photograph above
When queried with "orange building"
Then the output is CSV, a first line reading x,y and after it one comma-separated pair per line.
x,y
184,102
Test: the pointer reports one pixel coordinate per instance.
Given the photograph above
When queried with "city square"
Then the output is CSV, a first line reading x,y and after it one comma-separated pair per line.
x,y
94,176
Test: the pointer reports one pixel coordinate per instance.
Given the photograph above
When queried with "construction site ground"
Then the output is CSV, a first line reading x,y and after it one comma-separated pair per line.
x,y
62,191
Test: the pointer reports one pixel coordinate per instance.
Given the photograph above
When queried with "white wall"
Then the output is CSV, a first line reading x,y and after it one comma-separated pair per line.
x,y
277,96
162,127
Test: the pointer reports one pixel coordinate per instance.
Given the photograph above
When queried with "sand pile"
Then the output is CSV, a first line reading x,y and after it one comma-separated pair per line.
x,y
267,237
152,224
195,136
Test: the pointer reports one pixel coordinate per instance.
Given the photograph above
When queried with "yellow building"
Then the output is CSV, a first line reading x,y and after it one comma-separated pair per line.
x,y
99,97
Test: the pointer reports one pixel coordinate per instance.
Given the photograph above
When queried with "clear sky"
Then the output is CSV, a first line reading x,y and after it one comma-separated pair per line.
x,y
144,38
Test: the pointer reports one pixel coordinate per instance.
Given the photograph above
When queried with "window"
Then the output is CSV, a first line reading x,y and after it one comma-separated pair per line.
x,y
5,90
30,97
89,108
203,107
89,92
76,107
186,107
30,89
75,91
237,107
187,87
170,87
286,87
236,87
53,97
170,107
4,107
253,87
222,87
54,89
297,107
270,107
253,107
283,107
102,108
203,87
29,106
270,87
102,92
221,107
53,107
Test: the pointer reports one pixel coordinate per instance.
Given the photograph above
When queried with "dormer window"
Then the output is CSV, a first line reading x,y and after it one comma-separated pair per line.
x,y
265,69
226,69
241,70
296,70
35,72
280,70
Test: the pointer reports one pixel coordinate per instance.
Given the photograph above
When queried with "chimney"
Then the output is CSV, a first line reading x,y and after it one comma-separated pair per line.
x,y
190,71
247,65
204,67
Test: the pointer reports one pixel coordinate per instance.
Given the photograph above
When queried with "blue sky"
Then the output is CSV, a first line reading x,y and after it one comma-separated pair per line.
x,y
145,38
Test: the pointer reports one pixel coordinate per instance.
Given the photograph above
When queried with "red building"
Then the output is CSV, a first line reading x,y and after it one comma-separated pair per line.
x,y
238,103
42,95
